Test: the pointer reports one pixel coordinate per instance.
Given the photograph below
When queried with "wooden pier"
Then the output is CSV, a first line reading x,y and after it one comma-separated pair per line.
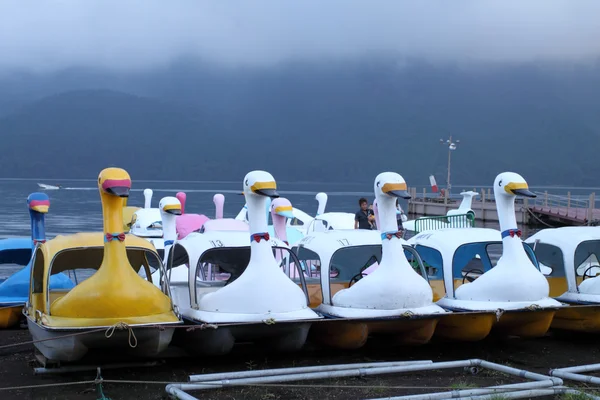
x,y
544,209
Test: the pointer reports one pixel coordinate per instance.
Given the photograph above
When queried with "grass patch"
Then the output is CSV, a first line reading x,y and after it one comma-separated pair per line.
x,y
575,396
462,385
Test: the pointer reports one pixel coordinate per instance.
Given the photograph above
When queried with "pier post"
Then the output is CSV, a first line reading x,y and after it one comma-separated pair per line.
x,y
592,206
483,204
546,198
568,202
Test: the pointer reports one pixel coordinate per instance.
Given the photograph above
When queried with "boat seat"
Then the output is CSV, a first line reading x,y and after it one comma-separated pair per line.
x,y
122,293
57,294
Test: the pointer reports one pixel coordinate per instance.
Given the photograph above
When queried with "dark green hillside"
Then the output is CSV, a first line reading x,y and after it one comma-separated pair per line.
x,y
330,122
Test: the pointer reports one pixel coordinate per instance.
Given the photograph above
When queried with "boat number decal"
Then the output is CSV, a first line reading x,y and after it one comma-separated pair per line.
x,y
216,243
344,242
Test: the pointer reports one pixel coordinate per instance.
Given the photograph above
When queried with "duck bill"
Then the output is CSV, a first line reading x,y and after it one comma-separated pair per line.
x,y
41,206
117,187
285,213
272,193
174,210
268,189
121,191
396,190
524,193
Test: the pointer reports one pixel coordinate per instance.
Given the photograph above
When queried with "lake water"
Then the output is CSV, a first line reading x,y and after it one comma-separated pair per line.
x,y
76,206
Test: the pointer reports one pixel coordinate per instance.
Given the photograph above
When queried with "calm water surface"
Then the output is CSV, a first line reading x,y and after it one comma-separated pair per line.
x,y
76,206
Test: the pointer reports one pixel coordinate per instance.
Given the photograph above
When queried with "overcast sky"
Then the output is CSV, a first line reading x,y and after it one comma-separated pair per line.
x,y
48,35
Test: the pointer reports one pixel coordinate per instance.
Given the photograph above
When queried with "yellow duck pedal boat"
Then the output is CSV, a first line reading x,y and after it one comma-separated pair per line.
x,y
114,296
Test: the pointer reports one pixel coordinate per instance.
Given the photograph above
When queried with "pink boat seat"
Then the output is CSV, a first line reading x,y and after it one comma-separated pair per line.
x,y
225,224
188,223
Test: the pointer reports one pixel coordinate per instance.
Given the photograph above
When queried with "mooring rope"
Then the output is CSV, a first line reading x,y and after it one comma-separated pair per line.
x,y
122,325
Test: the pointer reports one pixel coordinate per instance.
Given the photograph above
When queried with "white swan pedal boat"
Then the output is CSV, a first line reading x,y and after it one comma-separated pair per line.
x,y
571,257
239,284
393,300
514,287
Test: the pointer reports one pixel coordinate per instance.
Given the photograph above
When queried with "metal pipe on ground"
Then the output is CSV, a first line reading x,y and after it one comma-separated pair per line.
x,y
314,375
577,377
175,389
77,368
498,390
533,393
296,370
572,373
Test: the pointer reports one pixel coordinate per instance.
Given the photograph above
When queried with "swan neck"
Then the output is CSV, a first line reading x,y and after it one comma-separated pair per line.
x,y
506,212
386,212
38,226
169,224
257,222
279,226
115,253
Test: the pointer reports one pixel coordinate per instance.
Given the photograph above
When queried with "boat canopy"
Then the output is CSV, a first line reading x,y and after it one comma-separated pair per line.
x,y
15,251
86,250
568,251
464,249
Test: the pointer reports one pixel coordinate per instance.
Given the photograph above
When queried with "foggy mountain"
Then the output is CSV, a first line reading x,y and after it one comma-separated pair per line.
x,y
309,121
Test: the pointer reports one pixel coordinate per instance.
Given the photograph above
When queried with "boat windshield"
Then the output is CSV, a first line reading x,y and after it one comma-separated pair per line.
x,y
586,259
550,259
81,263
348,262
222,265
474,259
13,260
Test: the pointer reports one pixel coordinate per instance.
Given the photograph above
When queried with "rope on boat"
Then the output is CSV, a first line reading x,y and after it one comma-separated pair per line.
x,y
499,313
408,314
122,325
534,307
191,328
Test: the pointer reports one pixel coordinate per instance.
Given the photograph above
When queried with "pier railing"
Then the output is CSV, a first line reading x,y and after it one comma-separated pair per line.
x,y
445,221
544,199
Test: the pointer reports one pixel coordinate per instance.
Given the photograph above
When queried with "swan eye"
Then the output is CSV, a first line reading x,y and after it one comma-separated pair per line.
x,y
500,183
379,184
246,183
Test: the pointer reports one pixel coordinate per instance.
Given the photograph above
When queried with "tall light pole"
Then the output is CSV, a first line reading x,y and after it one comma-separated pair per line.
x,y
451,147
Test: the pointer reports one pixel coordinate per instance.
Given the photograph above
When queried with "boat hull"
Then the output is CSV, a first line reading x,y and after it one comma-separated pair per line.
x,y
524,323
62,345
342,333
9,316
578,318
465,326
219,339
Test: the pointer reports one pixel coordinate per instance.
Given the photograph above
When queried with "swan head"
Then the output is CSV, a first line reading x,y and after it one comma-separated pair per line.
x,y
282,206
170,205
391,184
260,183
511,184
321,197
38,202
147,198
114,182
181,196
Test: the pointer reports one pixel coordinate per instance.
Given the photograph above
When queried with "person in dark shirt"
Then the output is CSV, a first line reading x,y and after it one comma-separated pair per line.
x,y
364,218
399,216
